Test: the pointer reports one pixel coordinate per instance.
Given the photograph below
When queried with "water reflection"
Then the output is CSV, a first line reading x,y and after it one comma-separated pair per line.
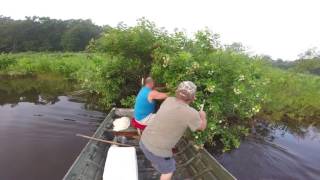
x,y
39,90
269,130
38,124
277,150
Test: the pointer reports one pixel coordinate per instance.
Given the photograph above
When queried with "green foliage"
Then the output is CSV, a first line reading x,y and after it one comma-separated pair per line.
x,y
28,63
233,86
129,101
309,66
137,42
116,80
6,61
230,84
291,95
45,34
76,37
113,78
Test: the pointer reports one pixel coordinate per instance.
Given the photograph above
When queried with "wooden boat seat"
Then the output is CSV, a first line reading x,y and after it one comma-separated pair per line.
x,y
121,163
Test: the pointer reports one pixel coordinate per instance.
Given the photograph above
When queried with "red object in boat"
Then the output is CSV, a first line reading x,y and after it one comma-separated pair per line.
x,y
137,125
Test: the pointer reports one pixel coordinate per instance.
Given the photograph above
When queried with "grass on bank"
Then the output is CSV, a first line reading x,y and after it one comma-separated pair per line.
x,y
288,95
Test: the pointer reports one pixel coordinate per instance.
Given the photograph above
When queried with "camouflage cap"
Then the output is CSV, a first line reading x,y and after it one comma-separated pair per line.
x,y
148,80
186,90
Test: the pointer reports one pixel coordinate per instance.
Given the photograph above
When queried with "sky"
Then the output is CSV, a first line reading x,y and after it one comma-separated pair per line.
x,y
279,28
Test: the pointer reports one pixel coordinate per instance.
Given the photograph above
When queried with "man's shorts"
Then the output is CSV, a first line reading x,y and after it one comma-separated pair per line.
x,y
164,165
145,121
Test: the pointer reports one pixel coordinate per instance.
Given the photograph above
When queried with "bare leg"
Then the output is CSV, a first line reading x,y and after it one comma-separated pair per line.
x,y
166,176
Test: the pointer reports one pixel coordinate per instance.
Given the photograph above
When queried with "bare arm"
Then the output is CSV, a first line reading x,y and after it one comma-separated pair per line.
x,y
157,95
203,118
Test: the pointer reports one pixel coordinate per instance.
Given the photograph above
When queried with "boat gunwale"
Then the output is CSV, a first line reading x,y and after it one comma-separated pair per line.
x,y
217,162
99,130
128,112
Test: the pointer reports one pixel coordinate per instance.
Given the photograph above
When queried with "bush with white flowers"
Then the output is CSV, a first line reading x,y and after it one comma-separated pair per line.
x,y
230,84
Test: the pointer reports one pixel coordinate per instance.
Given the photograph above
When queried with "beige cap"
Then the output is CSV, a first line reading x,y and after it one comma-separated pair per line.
x,y
186,90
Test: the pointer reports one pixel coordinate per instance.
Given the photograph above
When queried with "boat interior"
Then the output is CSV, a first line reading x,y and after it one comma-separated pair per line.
x,y
192,162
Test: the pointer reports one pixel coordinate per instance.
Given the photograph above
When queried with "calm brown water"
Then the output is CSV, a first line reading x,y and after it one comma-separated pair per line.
x,y
38,126
38,123
277,151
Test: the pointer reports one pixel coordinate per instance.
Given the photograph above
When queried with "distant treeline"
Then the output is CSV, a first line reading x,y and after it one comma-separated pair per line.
x,y
309,66
45,34
308,62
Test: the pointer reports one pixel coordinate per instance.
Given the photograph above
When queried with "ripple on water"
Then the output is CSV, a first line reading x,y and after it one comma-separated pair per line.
x,y
285,156
38,140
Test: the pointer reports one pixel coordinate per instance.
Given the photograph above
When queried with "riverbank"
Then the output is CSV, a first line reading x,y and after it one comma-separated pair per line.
x,y
113,81
291,96
40,101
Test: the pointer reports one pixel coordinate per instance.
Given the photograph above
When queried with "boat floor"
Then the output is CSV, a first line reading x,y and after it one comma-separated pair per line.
x,y
147,172
192,162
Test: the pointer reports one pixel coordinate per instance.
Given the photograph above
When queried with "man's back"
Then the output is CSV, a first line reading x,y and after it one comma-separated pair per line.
x,y
169,124
143,107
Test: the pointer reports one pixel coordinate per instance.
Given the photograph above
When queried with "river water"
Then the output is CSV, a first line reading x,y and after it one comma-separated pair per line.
x,y
277,151
38,124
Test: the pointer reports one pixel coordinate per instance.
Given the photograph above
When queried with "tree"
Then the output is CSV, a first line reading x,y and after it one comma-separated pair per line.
x,y
78,35
310,54
236,47
45,34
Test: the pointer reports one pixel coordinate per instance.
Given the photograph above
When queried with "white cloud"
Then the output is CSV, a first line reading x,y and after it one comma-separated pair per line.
x,y
280,28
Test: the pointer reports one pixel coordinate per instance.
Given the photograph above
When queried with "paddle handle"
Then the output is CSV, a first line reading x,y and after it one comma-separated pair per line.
x,y
102,140
202,105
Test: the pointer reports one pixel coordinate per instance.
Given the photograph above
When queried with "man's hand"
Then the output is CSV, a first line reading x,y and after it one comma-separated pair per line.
x,y
157,95
203,117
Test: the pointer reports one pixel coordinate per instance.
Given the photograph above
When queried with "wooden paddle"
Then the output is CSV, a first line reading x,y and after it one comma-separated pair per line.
x,y
130,134
102,140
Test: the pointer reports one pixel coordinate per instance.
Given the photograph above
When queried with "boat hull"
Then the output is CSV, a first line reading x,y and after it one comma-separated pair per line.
x,y
192,162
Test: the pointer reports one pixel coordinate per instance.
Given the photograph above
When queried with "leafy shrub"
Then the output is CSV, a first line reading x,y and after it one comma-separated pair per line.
x,y
135,42
230,84
115,80
64,64
291,95
6,61
310,66
233,86
128,102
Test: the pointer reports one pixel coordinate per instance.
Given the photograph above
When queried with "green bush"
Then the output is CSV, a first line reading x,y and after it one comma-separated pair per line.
x,y
137,42
6,61
114,80
230,84
291,95
233,86
310,66
60,63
